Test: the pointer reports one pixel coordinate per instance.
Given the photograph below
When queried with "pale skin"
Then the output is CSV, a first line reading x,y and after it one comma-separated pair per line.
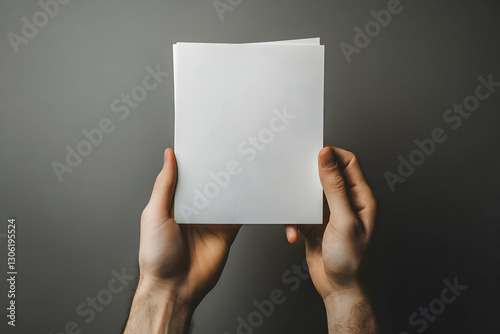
x,y
179,264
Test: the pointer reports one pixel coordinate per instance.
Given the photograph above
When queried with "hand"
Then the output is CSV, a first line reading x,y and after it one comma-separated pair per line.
x,y
179,264
334,250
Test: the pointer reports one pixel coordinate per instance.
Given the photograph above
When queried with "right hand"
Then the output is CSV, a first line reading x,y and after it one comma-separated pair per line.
x,y
334,250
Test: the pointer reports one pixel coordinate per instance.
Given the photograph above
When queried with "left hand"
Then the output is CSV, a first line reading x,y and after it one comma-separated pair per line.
x,y
187,259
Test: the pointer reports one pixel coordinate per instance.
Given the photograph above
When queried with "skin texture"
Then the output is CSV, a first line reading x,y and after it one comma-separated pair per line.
x,y
334,250
180,264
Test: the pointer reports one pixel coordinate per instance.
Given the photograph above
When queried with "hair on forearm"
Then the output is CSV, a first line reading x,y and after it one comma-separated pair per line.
x,y
133,289
361,321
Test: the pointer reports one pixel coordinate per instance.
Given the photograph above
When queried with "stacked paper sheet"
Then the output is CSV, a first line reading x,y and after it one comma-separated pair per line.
x,y
248,128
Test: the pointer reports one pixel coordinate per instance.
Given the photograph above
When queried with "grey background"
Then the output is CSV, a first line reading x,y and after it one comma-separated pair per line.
x,y
440,224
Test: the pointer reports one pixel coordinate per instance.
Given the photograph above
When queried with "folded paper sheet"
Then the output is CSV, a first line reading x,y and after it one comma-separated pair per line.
x,y
248,129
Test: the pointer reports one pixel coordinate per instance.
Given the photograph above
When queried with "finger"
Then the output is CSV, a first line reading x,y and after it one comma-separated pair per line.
x,y
360,195
334,186
163,191
292,233
312,231
313,235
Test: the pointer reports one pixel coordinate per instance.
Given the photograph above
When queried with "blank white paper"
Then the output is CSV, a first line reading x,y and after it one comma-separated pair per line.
x,y
248,128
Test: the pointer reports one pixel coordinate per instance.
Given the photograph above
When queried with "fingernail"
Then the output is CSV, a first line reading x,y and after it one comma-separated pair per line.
x,y
328,159
289,235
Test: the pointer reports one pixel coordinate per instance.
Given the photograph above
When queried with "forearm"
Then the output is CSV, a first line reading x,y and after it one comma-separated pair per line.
x,y
349,311
156,310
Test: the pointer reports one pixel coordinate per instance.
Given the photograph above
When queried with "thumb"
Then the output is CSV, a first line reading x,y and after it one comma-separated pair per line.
x,y
334,186
162,196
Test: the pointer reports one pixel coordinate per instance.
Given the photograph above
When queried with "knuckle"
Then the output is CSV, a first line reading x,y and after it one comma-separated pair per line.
x,y
353,158
160,176
145,213
170,183
165,179
372,204
336,181
349,154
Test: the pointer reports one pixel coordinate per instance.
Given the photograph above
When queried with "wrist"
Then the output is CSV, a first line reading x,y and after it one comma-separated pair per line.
x,y
166,289
164,293
349,310
345,295
159,304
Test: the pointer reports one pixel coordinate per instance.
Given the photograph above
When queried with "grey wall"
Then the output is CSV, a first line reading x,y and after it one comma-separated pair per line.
x,y
441,223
